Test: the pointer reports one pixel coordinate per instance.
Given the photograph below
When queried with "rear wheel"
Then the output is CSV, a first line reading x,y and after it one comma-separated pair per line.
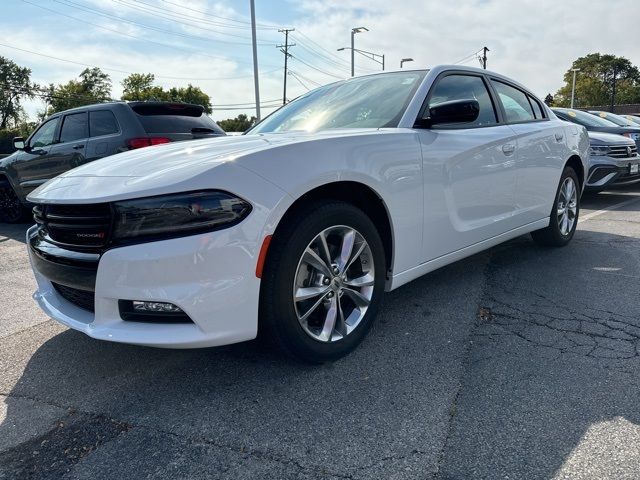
x,y
323,281
564,215
11,208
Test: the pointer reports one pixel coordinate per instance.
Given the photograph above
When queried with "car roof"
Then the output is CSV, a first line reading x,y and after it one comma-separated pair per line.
x,y
103,105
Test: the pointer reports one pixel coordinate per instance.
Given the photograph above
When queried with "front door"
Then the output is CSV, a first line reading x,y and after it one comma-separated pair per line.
x,y
469,171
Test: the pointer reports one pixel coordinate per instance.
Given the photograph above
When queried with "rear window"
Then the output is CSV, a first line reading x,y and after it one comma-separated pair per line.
x,y
175,119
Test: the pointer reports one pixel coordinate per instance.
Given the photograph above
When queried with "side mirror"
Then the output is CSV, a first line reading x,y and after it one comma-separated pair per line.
x,y
455,111
18,143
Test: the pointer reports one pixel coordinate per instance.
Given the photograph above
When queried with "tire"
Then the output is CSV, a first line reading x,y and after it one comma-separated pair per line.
x,y
298,318
11,208
562,226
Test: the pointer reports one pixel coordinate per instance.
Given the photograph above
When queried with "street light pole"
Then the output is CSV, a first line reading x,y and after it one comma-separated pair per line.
x,y
573,87
353,52
255,59
353,55
404,60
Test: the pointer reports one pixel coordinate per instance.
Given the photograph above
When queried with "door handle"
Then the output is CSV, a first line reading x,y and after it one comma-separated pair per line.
x,y
559,137
508,149
78,147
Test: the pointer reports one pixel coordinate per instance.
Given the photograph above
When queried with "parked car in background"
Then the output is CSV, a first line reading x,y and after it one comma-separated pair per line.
x,y
594,123
619,120
614,161
75,137
301,224
633,118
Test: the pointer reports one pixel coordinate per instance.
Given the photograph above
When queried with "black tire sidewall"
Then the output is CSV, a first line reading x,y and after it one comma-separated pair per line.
x,y
553,223
281,269
13,219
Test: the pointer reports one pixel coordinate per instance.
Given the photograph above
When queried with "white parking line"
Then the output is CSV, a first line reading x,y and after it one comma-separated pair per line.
x,y
589,216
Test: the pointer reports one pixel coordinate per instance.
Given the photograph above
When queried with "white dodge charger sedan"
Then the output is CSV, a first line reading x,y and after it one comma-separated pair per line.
x,y
298,227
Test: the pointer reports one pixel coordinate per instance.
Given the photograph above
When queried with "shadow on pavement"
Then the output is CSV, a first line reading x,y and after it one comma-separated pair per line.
x,y
551,359
14,231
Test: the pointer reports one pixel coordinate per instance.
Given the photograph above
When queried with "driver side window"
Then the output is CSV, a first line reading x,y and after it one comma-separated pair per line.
x,y
465,87
45,134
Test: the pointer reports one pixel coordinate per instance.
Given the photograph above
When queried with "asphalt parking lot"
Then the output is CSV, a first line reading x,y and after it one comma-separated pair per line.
x,y
519,363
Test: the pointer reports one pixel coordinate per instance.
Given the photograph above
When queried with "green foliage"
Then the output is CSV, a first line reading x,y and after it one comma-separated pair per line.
x,y
23,129
549,100
594,81
139,86
239,124
93,86
16,85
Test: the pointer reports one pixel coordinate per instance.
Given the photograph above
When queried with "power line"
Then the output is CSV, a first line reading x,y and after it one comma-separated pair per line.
x,y
129,73
299,81
318,69
142,39
274,27
77,6
306,79
173,14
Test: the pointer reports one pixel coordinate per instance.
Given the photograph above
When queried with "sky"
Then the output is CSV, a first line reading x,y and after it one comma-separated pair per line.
x,y
208,42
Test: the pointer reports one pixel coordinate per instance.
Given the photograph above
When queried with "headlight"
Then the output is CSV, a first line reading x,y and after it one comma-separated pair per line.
x,y
177,214
632,136
599,150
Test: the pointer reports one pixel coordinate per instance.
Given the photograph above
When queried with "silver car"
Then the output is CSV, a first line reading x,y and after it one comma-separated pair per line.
x,y
614,161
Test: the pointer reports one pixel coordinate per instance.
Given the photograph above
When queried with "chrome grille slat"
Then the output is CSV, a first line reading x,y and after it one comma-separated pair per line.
x,y
622,151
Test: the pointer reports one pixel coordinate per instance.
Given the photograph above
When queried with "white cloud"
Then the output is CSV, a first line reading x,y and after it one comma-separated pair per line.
x,y
533,41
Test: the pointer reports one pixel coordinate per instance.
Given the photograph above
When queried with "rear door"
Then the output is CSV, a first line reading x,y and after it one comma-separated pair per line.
x,y
541,151
105,135
175,121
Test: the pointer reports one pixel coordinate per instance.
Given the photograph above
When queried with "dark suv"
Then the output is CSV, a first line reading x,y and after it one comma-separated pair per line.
x,y
74,137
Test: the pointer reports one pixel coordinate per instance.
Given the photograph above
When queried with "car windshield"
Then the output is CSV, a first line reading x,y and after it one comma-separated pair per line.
x,y
373,101
617,119
583,118
634,119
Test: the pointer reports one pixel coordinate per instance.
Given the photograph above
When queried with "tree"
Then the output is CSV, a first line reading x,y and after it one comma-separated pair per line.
x,y
93,86
596,79
239,124
140,86
549,100
15,85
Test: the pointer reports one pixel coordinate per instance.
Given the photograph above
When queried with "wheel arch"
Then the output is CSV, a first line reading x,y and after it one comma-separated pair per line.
x,y
575,162
356,193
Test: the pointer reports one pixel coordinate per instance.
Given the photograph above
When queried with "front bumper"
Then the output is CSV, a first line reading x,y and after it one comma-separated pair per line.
x,y
210,276
606,172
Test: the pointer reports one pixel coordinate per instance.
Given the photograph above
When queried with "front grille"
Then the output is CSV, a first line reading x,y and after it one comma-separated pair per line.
x,y
80,298
85,227
623,152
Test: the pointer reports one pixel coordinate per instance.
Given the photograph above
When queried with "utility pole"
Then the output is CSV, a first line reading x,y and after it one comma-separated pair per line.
x,y
255,58
353,50
285,49
484,57
573,88
613,88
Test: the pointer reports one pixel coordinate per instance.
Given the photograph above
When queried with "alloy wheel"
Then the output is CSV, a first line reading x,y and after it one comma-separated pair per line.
x,y
334,283
10,206
567,208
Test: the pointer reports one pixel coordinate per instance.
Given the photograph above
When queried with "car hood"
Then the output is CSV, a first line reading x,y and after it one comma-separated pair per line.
x,y
169,167
4,161
599,138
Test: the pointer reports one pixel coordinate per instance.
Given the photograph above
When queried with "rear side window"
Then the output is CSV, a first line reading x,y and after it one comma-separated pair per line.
x,y
515,102
175,119
537,109
74,127
102,122
465,87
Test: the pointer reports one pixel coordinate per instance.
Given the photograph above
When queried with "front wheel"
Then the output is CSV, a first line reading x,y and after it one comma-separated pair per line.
x,y
11,208
564,214
323,281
